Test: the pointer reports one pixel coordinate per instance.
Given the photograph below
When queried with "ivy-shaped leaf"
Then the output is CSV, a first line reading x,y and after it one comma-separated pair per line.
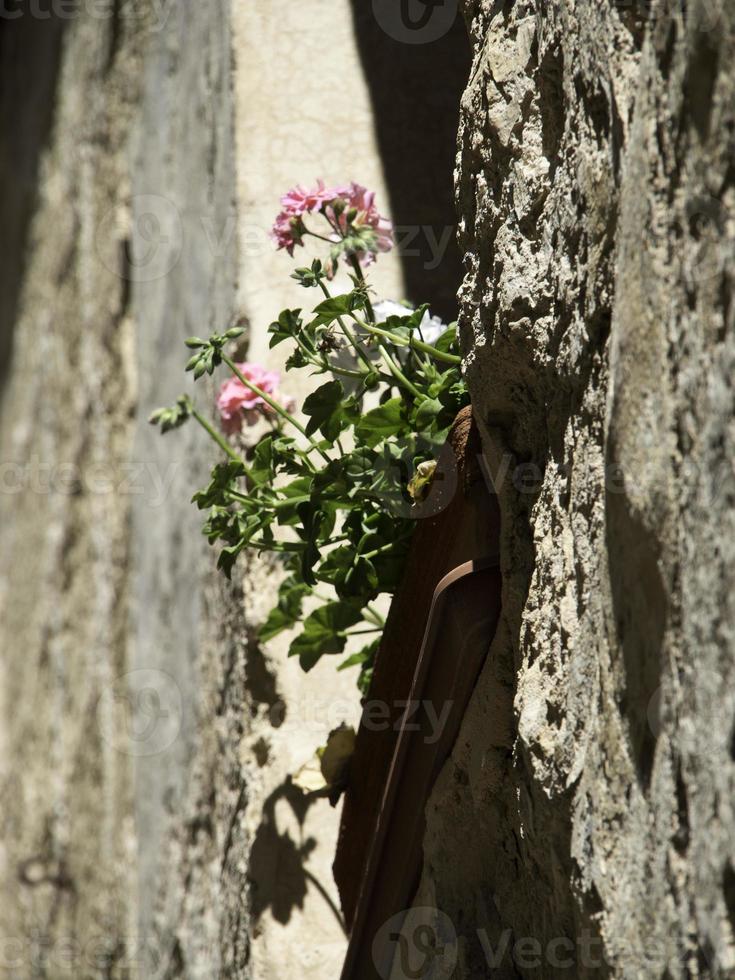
x,y
324,632
262,465
382,422
288,611
447,342
286,327
427,413
324,408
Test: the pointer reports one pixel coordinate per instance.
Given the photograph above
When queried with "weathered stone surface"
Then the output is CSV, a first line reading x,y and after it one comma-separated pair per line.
x,y
587,808
67,850
594,773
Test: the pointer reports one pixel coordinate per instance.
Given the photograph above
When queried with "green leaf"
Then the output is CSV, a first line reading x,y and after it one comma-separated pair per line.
x,y
296,360
353,576
262,465
384,421
285,327
334,307
365,679
447,342
324,408
174,417
364,656
389,568
324,632
310,525
427,413
336,565
309,276
228,557
288,611
405,326
224,477
292,495
334,482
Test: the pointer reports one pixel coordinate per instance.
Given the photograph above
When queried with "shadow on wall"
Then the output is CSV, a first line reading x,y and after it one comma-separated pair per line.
x,y
278,873
416,90
30,50
641,613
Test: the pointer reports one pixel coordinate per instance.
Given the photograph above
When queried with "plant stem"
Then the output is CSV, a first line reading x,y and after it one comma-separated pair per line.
x,y
324,363
373,616
315,234
220,440
242,497
355,263
380,551
278,409
277,546
348,333
396,371
289,502
402,342
345,372
312,358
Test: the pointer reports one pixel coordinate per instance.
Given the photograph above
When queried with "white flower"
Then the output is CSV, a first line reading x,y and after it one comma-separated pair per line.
x,y
431,326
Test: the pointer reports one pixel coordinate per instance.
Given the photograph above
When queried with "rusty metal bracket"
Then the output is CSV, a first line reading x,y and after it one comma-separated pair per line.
x,y
463,617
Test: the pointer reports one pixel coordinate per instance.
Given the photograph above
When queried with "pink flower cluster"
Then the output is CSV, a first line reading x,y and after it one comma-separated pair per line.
x,y
295,204
237,403
362,200
288,228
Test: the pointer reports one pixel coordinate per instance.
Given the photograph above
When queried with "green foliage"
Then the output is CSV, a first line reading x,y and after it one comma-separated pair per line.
x,y
174,417
334,498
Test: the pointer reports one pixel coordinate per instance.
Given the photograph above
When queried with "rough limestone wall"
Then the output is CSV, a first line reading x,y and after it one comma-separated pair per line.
x,y
67,849
594,773
116,633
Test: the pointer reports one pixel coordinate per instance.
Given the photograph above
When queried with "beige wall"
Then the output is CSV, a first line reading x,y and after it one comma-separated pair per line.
x,y
302,111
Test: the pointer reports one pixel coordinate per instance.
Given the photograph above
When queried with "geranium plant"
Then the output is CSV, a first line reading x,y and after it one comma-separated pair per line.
x,y
333,489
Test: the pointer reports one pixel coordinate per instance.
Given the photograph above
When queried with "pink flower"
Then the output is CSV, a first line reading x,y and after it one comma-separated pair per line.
x,y
362,200
288,229
299,201
237,403
286,232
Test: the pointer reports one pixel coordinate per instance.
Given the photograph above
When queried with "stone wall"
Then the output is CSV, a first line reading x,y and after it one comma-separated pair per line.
x,y
67,848
594,773
584,825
